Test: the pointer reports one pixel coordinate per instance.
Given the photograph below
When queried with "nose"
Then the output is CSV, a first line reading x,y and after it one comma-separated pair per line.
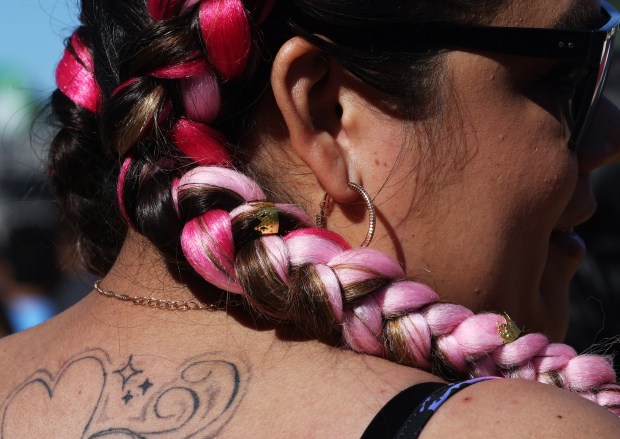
x,y
602,144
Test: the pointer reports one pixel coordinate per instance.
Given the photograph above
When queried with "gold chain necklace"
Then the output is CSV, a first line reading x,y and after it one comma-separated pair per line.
x,y
153,302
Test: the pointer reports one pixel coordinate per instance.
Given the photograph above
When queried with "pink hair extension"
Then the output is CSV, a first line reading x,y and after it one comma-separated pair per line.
x,y
224,27
120,187
260,11
226,35
318,246
522,349
585,372
208,245
556,355
332,288
161,9
200,143
471,343
176,71
207,241
442,318
75,75
478,335
606,396
185,69
174,194
277,250
277,253
360,327
403,295
390,301
363,264
276,247
222,178
418,337
315,246
201,97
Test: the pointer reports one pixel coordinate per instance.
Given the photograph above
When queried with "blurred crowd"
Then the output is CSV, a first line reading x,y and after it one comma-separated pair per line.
x,y
40,275
39,272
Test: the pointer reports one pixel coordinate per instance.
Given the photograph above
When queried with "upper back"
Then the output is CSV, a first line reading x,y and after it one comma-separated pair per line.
x,y
84,375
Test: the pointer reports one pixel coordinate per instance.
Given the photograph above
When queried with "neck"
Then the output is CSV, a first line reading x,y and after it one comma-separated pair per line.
x,y
140,270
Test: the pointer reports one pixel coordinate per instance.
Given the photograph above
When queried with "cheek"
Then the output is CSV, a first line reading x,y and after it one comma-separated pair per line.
x,y
517,148
471,213
485,241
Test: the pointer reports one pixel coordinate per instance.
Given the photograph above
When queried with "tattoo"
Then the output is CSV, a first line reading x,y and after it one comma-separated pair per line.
x,y
128,402
128,371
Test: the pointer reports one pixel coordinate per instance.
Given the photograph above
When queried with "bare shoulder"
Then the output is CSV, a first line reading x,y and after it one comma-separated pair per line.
x,y
516,409
17,354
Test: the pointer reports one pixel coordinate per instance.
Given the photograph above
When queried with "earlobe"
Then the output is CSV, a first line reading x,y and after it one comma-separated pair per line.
x,y
307,90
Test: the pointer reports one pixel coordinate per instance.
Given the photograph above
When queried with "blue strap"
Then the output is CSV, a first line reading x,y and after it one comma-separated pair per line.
x,y
393,415
414,424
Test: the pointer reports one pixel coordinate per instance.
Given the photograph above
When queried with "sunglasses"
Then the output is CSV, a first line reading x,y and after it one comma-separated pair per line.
x,y
588,52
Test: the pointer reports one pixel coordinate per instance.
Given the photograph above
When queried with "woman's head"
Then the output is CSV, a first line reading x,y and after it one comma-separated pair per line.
x,y
149,73
463,151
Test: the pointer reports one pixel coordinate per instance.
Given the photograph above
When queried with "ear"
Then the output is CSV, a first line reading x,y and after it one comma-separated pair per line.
x,y
308,90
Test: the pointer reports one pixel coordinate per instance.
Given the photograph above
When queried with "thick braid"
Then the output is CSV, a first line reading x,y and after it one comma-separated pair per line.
x,y
405,320
140,109
377,311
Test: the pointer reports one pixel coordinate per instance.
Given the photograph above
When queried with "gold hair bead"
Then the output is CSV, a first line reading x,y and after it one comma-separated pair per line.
x,y
267,214
509,331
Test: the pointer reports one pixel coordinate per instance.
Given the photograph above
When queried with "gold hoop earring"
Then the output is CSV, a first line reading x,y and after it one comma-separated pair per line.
x,y
327,205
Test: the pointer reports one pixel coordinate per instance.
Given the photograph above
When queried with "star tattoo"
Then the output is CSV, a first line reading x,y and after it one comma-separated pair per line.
x,y
128,397
128,371
146,385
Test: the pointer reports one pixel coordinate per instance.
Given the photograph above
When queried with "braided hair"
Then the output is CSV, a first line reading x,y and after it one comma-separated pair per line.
x,y
155,99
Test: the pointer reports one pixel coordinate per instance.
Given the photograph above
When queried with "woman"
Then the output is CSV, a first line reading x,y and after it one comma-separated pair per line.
x,y
447,136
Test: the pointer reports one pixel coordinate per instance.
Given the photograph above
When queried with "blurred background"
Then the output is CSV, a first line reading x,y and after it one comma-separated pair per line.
x,y
39,275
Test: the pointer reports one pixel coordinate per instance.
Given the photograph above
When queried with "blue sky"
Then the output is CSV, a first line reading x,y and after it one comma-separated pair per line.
x,y
31,39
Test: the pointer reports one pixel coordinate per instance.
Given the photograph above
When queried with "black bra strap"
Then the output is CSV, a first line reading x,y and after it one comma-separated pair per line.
x,y
395,413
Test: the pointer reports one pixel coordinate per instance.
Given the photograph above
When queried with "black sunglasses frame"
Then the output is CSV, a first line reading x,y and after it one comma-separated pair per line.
x,y
590,48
